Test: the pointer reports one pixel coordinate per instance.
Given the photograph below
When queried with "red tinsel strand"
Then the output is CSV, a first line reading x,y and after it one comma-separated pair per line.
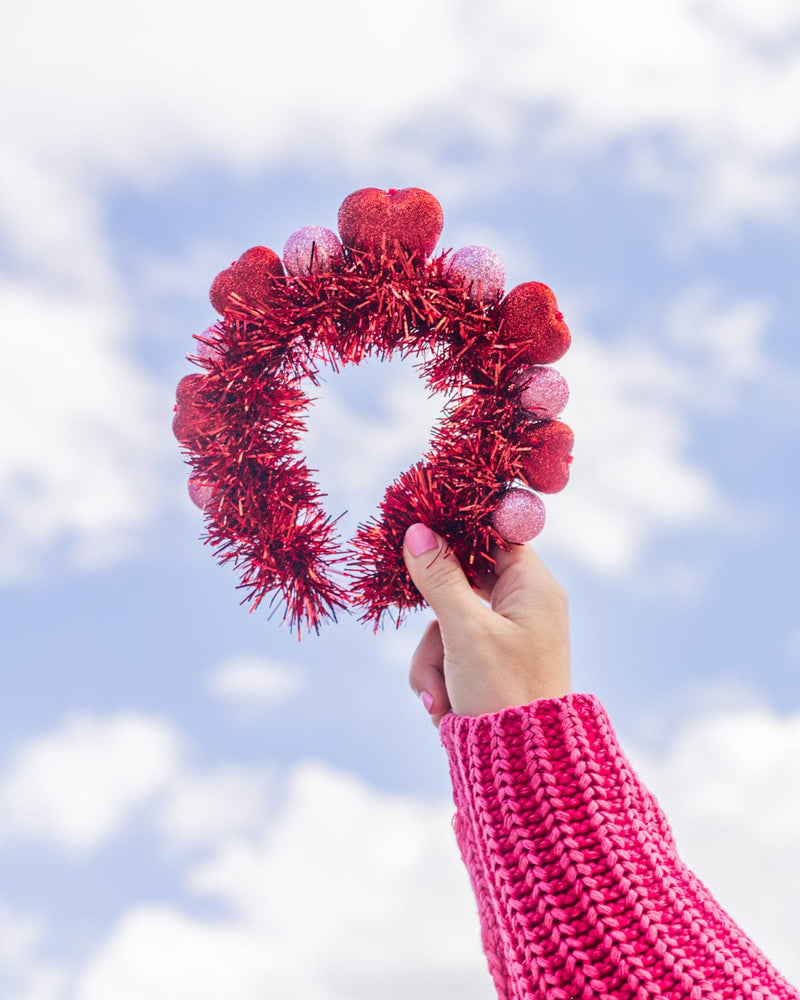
x,y
454,490
266,518
475,451
380,579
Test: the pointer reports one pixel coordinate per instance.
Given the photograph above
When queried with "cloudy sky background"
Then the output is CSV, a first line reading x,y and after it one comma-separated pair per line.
x,y
191,802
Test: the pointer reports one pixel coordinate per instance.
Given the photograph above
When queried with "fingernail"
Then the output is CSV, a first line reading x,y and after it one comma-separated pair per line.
x,y
420,538
427,699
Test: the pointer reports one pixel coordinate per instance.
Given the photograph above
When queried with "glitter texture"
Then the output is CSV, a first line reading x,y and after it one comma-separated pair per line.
x,y
254,272
481,271
221,288
251,277
531,324
545,467
201,494
311,250
544,393
193,420
186,389
519,516
241,422
208,345
371,220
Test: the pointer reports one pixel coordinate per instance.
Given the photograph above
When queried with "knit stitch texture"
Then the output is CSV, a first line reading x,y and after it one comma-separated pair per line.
x,y
580,889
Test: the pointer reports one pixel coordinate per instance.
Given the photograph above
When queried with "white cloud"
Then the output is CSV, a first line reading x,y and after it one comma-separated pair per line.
x,y
202,809
140,104
76,466
95,106
52,223
44,982
349,892
730,785
769,22
159,954
77,786
156,83
633,403
24,975
253,683
727,336
20,935
357,451
694,73
630,477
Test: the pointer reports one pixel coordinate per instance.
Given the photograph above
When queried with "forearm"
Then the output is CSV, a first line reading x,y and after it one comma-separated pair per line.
x,y
580,889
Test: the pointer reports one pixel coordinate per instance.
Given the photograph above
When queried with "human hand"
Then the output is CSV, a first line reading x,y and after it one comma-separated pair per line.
x,y
479,656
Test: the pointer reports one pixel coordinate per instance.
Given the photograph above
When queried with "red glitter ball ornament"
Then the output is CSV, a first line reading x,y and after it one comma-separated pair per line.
x,y
545,467
531,325
242,420
372,220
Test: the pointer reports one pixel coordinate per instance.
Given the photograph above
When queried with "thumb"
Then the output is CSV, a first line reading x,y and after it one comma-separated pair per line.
x,y
438,576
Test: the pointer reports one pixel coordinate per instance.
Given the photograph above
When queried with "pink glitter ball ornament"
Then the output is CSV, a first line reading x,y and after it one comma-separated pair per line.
x,y
201,494
208,351
481,270
311,250
546,392
519,517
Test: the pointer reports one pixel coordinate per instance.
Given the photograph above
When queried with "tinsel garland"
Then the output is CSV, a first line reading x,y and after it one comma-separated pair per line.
x,y
241,420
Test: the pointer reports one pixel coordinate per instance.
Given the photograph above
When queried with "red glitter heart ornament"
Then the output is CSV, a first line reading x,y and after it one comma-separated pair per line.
x,y
377,294
372,220
545,467
531,326
193,419
250,277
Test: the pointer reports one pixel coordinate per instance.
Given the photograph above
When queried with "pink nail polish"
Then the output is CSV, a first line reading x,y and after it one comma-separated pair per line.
x,y
420,538
427,700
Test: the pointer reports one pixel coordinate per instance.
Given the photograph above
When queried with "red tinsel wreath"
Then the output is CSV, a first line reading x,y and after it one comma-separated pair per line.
x,y
377,292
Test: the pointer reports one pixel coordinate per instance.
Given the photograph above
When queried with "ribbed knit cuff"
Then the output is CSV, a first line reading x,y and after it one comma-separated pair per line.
x,y
580,889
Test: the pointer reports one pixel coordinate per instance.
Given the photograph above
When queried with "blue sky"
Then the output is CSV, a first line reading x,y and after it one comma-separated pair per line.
x,y
191,801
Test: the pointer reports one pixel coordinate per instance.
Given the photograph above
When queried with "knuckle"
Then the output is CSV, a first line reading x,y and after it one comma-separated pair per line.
x,y
440,569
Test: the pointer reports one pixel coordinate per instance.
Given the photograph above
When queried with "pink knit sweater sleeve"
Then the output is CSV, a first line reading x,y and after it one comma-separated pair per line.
x,y
580,890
